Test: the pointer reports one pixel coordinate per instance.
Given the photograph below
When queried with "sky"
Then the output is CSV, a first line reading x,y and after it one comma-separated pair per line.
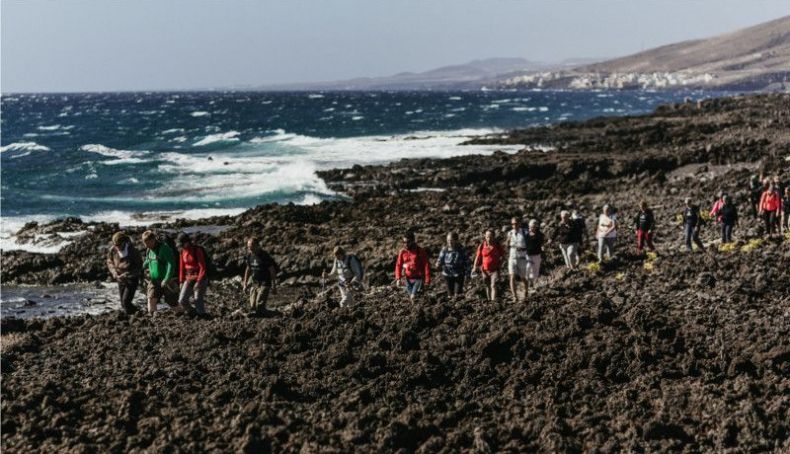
x,y
115,45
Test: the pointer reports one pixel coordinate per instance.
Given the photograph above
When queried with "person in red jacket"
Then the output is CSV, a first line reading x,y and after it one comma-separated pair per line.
x,y
770,208
192,274
488,260
412,268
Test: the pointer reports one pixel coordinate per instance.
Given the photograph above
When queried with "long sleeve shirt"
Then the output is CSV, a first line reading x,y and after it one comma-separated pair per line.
x,y
161,263
193,264
413,264
453,262
348,269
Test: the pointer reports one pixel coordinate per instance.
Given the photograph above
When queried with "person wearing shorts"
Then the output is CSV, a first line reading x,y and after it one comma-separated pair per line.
x,y
161,263
488,260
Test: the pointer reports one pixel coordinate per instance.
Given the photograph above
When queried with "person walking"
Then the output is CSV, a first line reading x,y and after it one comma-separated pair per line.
x,y
728,217
454,263
260,276
756,189
582,237
785,226
192,274
714,211
606,233
162,269
126,267
517,259
692,223
567,237
412,268
349,271
534,246
488,260
644,224
770,206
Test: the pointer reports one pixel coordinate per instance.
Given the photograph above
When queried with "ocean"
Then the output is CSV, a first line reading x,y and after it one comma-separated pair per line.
x,y
134,158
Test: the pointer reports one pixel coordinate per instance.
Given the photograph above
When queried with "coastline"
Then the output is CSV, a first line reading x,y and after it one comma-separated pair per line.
x,y
625,358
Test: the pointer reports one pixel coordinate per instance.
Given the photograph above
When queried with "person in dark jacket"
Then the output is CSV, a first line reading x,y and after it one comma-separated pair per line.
x,y
644,223
568,237
454,263
728,217
260,277
756,189
534,241
126,267
581,236
692,223
785,226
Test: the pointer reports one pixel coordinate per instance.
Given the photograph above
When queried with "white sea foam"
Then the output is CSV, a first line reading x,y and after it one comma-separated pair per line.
x,y
49,128
230,136
345,152
112,152
279,136
131,219
200,113
172,131
315,96
280,166
10,225
23,146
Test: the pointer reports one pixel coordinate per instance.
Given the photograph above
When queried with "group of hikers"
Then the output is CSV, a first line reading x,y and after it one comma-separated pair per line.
x,y
178,271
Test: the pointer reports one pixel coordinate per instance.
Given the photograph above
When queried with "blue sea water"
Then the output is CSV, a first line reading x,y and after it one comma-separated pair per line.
x,y
138,157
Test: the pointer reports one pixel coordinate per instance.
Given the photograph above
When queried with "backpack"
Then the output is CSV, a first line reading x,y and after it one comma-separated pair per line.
x,y
211,270
349,258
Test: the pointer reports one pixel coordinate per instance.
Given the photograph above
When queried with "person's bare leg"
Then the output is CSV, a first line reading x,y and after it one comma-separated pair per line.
x,y
152,305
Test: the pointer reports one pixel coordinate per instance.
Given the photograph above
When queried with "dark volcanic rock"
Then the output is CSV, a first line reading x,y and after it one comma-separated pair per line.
x,y
681,352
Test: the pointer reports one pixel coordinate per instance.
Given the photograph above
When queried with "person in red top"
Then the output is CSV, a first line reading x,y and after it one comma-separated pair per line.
x,y
770,208
488,260
192,274
412,268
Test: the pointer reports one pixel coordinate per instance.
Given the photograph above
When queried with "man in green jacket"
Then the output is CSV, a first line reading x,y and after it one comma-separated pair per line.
x,y
162,270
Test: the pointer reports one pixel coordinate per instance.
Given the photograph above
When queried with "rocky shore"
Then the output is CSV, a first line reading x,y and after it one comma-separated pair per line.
x,y
684,352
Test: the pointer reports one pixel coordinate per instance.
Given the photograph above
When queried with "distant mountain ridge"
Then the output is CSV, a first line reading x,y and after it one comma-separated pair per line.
x,y
756,58
753,58
472,75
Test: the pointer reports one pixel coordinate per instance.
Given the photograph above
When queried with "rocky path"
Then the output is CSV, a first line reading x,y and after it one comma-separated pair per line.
x,y
678,353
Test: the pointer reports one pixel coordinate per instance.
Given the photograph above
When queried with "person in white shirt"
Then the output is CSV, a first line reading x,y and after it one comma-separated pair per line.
x,y
349,273
606,233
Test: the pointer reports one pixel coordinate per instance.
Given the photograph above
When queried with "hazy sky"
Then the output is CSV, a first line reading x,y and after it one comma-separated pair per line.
x,y
97,45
